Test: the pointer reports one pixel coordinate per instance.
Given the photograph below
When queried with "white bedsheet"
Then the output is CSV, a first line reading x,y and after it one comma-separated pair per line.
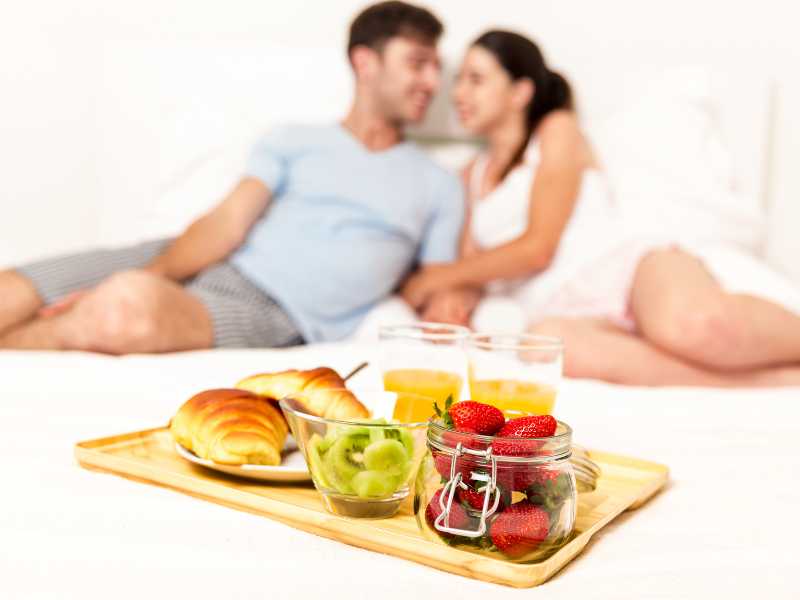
x,y
725,526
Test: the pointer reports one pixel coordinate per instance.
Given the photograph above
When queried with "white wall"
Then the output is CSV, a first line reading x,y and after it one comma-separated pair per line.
x,y
51,53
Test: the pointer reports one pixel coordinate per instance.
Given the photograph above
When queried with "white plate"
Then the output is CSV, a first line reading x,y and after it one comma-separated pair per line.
x,y
292,468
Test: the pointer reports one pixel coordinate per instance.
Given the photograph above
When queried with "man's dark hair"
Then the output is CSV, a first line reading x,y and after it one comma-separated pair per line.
x,y
379,22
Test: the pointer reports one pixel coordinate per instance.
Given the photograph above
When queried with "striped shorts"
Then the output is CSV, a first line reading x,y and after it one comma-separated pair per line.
x,y
243,316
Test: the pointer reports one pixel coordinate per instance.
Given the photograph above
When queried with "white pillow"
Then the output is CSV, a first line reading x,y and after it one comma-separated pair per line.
x,y
669,168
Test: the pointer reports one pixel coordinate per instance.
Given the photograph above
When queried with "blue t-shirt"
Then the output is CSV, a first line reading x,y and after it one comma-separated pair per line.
x,y
345,225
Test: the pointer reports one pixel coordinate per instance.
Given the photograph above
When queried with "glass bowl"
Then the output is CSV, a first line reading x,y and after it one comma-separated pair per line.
x,y
362,468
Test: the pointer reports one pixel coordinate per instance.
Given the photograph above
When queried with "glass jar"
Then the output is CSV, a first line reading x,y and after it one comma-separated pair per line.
x,y
511,498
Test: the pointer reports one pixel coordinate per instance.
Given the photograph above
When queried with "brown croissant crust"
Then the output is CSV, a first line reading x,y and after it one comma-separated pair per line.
x,y
231,426
321,391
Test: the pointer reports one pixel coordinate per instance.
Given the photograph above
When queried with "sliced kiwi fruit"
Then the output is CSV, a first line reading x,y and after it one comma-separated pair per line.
x,y
368,461
374,484
344,460
315,453
408,442
388,456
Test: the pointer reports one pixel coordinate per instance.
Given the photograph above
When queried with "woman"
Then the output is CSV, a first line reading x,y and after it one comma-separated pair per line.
x,y
632,312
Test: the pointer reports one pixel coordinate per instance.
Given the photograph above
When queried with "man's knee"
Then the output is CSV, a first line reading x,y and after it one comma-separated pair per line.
x,y
125,311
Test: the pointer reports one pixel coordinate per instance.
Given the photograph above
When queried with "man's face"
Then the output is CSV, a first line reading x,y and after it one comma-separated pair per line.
x,y
404,79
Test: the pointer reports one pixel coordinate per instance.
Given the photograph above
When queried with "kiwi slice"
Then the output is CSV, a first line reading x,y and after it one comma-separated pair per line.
x,y
374,484
324,443
315,453
344,460
389,456
408,442
376,434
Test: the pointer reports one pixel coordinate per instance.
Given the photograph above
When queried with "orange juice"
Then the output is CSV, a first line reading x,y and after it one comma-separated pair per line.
x,y
510,395
417,389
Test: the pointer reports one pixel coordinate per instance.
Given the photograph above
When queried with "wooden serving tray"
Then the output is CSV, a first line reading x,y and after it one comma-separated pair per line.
x,y
149,456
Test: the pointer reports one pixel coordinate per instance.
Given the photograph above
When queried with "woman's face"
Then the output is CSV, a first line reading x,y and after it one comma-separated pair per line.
x,y
484,93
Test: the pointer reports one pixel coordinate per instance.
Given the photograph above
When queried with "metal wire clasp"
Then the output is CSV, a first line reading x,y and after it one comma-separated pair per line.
x,y
442,522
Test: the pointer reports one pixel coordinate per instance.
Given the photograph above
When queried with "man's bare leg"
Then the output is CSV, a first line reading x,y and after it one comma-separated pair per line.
x,y
132,311
598,349
19,300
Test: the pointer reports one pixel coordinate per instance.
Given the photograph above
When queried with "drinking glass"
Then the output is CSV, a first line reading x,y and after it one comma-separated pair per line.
x,y
517,373
424,363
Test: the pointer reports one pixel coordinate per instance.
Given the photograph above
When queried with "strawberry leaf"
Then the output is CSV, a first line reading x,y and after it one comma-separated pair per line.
x,y
446,418
437,410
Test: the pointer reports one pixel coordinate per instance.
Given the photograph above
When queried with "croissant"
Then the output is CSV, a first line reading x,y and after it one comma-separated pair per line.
x,y
231,426
320,391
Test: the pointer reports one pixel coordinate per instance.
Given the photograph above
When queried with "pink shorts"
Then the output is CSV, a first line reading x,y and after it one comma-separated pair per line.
x,y
603,288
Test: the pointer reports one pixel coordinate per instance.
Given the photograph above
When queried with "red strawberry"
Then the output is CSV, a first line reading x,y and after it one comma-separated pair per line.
x,y
515,477
543,475
473,499
459,518
521,477
464,465
475,417
534,426
519,529
549,488
467,440
538,426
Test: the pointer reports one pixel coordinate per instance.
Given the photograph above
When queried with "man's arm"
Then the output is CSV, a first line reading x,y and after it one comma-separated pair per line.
x,y
215,235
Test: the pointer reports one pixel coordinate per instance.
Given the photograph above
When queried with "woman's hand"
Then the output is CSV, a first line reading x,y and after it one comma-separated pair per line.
x,y
424,283
452,306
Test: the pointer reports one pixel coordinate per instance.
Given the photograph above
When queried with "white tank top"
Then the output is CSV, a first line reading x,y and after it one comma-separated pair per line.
x,y
502,215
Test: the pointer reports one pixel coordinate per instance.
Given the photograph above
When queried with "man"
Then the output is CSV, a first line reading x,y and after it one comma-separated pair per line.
x,y
326,222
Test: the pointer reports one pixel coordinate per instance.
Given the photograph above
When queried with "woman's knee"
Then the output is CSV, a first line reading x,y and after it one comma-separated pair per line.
x,y
706,332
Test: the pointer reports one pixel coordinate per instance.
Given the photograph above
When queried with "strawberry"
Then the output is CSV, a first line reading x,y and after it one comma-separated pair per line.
x,y
464,465
515,477
473,499
549,489
537,426
519,529
534,426
459,518
474,417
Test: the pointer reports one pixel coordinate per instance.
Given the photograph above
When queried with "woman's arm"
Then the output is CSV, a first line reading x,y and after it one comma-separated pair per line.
x,y
553,193
467,245
456,305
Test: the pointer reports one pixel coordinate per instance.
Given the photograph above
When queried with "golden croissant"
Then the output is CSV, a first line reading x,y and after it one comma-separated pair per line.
x,y
231,426
320,391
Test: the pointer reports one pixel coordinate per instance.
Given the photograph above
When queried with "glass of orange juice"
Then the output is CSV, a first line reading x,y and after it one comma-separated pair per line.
x,y
424,363
517,373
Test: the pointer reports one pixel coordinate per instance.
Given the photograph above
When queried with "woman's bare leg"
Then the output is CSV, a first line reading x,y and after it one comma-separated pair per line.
x,y
598,349
19,300
679,307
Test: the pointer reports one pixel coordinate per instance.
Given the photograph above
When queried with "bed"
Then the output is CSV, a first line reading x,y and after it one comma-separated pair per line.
x,y
724,526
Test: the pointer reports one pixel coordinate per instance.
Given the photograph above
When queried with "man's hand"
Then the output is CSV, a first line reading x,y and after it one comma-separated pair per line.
x,y
62,305
452,306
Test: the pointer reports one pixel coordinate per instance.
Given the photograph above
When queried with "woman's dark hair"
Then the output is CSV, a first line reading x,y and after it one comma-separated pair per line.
x,y
521,58
377,23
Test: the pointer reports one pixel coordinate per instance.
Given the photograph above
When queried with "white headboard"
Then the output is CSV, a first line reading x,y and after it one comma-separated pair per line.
x,y
177,118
